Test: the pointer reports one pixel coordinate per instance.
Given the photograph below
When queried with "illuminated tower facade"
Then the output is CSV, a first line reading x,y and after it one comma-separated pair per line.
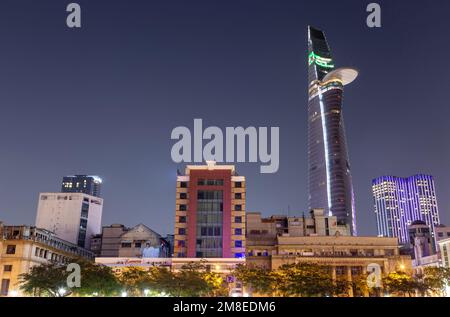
x,y
399,202
87,184
330,182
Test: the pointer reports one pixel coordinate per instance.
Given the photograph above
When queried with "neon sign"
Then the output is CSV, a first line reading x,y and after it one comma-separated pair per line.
x,y
320,61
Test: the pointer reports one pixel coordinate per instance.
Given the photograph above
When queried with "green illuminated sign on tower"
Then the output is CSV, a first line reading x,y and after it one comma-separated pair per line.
x,y
320,61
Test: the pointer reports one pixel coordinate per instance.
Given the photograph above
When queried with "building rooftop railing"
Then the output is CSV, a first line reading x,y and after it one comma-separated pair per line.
x,y
45,237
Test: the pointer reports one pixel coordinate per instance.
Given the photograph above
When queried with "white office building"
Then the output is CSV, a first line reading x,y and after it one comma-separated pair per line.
x,y
74,217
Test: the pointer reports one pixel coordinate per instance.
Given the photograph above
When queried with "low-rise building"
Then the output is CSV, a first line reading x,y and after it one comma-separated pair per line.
x,y
140,241
348,256
22,247
444,247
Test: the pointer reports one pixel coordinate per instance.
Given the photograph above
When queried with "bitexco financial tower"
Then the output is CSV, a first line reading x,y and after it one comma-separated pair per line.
x,y
330,182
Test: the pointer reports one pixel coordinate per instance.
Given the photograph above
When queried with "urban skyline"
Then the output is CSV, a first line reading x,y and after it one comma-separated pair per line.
x,y
138,178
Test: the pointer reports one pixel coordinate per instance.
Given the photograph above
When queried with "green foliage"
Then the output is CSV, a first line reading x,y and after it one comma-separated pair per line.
x,y
400,283
48,279
299,279
192,280
259,280
308,280
96,279
434,280
44,280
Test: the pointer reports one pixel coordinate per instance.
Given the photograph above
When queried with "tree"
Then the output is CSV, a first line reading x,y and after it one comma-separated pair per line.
x,y
259,280
308,280
161,280
400,283
191,281
435,279
96,279
134,280
45,280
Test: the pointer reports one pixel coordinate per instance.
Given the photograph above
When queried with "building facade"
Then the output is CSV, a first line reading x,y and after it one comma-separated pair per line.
x,y
111,240
398,202
444,248
22,247
317,224
350,258
86,184
330,181
73,217
119,241
210,212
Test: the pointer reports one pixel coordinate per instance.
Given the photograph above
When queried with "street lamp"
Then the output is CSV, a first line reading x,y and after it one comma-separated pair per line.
x,y
14,293
61,291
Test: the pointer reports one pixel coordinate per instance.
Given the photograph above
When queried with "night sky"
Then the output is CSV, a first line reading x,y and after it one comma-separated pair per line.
x,y
104,99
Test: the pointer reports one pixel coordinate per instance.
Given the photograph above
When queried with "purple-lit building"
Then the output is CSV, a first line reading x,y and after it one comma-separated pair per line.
x,y
399,201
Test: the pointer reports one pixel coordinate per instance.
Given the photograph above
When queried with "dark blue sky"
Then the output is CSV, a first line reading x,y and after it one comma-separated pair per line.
x,y
104,99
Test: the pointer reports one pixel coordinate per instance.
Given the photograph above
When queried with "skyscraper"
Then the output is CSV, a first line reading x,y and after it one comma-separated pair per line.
x,y
87,184
210,212
330,182
398,202
74,217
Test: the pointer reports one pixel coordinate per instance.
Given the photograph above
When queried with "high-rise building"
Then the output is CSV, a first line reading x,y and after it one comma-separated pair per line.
x,y
398,202
210,212
330,182
74,217
87,184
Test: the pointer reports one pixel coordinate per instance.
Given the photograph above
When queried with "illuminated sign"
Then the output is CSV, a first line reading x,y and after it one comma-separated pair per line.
x,y
320,61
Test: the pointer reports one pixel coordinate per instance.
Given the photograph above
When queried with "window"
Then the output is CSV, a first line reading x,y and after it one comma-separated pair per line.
x,y
239,255
210,182
183,195
340,270
440,234
183,184
11,249
5,287
181,243
137,244
7,268
238,219
238,244
238,196
238,231
126,244
182,219
210,194
181,231
238,184
389,252
238,207
183,207
357,270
